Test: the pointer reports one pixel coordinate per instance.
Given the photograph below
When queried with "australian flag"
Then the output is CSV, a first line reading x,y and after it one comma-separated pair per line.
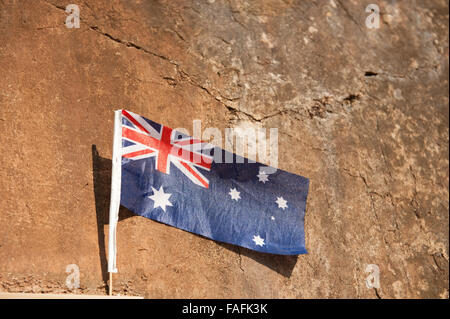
x,y
177,180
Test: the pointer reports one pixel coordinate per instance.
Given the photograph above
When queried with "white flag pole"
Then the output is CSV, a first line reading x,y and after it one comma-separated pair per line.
x,y
115,195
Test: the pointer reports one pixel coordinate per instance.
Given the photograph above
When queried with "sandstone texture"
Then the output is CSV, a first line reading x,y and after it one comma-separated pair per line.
x,y
364,113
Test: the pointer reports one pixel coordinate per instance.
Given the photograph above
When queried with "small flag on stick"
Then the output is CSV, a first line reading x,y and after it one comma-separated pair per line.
x,y
167,176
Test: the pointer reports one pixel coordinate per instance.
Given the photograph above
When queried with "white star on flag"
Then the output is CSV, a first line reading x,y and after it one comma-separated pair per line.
x,y
234,194
258,240
263,177
160,198
282,203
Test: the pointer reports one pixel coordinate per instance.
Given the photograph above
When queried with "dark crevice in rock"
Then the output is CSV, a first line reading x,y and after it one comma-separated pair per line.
x,y
435,261
240,258
177,34
349,14
370,73
189,78
170,81
414,202
352,98
233,17
131,45
236,111
320,108
180,71
56,6
117,40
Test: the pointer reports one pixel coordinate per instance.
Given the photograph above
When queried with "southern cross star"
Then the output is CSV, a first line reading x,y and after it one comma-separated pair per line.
x,y
234,194
258,240
263,177
160,198
282,203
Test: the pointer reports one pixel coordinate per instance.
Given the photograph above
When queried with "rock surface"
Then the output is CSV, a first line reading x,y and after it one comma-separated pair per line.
x,y
362,112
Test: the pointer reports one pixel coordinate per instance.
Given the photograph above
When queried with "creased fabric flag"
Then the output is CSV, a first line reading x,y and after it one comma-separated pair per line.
x,y
173,178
